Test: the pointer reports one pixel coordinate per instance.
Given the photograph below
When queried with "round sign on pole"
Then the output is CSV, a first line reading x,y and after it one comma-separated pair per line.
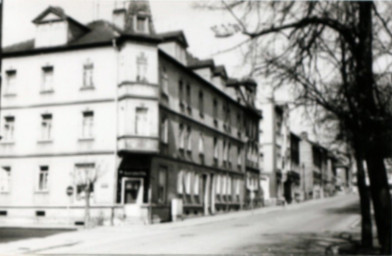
x,y
70,190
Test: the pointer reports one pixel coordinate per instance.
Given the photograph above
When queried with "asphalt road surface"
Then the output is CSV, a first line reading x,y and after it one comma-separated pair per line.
x,y
305,228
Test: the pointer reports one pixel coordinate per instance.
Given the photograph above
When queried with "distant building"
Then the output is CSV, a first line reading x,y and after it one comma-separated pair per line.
x,y
274,149
133,107
317,168
292,178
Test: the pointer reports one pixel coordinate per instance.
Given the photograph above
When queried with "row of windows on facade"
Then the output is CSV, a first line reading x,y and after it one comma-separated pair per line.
x,y
47,125
185,143
47,71
189,183
186,102
48,78
81,174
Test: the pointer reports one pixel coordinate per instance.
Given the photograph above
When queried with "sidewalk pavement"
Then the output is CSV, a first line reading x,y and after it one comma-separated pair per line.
x,y
35,245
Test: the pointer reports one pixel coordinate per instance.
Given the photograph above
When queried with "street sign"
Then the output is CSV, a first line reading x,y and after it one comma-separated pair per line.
x,y
70,190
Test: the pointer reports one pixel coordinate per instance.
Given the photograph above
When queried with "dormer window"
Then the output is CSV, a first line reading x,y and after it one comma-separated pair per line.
x,y
141,24
55,28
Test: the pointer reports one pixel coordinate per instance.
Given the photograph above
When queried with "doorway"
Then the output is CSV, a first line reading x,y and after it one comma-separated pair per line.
x,y
132,195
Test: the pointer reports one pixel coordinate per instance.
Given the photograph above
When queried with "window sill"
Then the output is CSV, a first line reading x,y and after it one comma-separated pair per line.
x,y
47,141
87,88
9,95
86,139
44,192
7,142
51,91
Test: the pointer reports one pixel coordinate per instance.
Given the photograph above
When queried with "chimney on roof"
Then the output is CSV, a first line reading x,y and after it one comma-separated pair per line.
x,y
304,135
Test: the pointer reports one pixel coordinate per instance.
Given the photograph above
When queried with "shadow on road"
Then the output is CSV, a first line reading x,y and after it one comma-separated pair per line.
x,y
301,243
14,234
349,209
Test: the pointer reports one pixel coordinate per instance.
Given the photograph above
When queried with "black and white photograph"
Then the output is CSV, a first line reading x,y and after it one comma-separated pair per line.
x,y
195,127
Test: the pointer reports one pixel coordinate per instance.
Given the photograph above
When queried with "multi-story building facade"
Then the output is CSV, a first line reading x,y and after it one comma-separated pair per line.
x,y
292,187
132,110
317,168
274,149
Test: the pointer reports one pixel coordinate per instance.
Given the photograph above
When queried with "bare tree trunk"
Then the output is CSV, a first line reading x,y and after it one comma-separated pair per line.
x,y
381,198
374,156
364,199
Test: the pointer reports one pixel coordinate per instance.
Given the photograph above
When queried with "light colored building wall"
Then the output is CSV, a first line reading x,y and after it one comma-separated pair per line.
x,y
66,146
67,77
24,190
306,160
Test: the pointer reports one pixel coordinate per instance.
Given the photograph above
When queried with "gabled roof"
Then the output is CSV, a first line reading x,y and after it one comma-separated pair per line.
x,y
99,32
177,36
59,12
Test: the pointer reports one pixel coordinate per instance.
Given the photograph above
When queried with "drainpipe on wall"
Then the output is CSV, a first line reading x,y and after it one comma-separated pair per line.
x,y
116,48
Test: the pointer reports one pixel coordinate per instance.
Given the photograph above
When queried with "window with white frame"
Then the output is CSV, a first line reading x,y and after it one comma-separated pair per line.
x,y
164,130
9,127
223,181
5,179
141,68
189,139
201,144
88,71
228,151
141,24
196,184
87,124
47,78
228,186
180,182
85,177
46,126
10,81
188,182
165,81
224,151
239,156
216,149
182,136
237,187
141,121
218,184
43,178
